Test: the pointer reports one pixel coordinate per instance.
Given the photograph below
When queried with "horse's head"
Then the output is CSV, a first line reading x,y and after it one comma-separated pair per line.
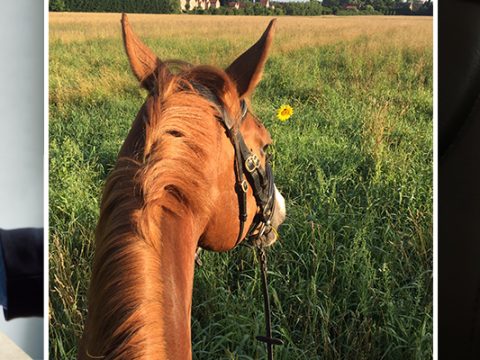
x,y
236,168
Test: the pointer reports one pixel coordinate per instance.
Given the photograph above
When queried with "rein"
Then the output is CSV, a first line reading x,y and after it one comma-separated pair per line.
x,y
267,339
248,171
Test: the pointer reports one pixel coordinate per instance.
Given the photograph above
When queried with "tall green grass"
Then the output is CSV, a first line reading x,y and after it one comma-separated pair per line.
x,y
351,277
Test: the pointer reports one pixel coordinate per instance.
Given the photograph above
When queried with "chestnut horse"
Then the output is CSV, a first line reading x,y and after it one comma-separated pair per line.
x,y
172,190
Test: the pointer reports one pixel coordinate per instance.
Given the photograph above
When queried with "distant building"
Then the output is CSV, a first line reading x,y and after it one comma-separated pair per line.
x,y
410,5
215,4
242,4
207,4
351,7
403,8
265,3
199,4
417,4
234,4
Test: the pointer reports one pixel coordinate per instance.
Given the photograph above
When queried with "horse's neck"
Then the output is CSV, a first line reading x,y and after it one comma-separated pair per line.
x,y
177,256
158,292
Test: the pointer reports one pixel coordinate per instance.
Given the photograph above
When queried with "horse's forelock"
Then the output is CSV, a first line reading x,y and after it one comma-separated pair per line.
x,y
175,76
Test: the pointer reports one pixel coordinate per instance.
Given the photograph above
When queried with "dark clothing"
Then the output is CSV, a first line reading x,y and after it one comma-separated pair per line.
x,y
459,180
23,259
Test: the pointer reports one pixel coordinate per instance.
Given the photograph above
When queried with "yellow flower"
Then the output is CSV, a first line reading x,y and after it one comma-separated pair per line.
x,y
284,113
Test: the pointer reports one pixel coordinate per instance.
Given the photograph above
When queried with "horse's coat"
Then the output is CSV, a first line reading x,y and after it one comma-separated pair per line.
x,y
172,189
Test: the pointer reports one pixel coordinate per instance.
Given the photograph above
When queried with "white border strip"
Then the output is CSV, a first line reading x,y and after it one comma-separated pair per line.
x,y
45,182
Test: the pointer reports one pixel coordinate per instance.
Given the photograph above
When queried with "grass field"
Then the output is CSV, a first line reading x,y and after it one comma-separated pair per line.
x,y
351,277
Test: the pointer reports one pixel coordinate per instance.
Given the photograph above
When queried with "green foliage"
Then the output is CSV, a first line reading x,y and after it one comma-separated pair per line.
x,y
130,6
248,9
331,3
310,8
307,8
369,11
351,276
258,9
339,7
57,5
426,9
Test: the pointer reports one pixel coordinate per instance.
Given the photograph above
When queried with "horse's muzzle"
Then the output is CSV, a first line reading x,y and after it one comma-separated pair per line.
x,y
279,213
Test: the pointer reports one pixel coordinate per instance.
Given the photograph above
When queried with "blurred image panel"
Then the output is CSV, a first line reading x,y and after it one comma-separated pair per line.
x,y
21,146
459,180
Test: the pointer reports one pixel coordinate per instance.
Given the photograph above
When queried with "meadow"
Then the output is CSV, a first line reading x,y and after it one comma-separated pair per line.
x,y
351,276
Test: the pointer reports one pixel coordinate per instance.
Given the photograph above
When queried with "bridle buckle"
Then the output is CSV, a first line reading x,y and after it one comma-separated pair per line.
x,y
252,163
244,185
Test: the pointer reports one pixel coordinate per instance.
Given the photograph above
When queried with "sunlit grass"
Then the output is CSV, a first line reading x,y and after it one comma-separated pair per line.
x,y
351,275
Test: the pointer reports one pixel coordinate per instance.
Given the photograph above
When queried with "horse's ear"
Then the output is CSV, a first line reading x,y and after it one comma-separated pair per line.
x,y
246,70
142,60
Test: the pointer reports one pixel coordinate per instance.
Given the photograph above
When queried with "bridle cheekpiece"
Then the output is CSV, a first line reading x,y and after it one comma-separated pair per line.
x,y
248,172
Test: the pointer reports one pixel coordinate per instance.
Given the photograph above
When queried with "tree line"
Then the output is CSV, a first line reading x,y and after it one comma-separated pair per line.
x,y
129,6
308,8
354,7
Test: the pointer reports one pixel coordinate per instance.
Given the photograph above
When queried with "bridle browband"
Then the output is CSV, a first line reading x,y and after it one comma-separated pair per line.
x,y
249,172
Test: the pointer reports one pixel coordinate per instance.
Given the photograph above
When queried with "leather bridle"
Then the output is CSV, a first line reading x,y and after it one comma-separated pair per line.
x,y
249,172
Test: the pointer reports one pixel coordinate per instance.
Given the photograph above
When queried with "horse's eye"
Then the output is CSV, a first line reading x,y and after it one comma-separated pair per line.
x,y
265,149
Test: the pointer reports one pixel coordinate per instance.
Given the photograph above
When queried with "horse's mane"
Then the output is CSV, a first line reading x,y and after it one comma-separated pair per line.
x,y
169,173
